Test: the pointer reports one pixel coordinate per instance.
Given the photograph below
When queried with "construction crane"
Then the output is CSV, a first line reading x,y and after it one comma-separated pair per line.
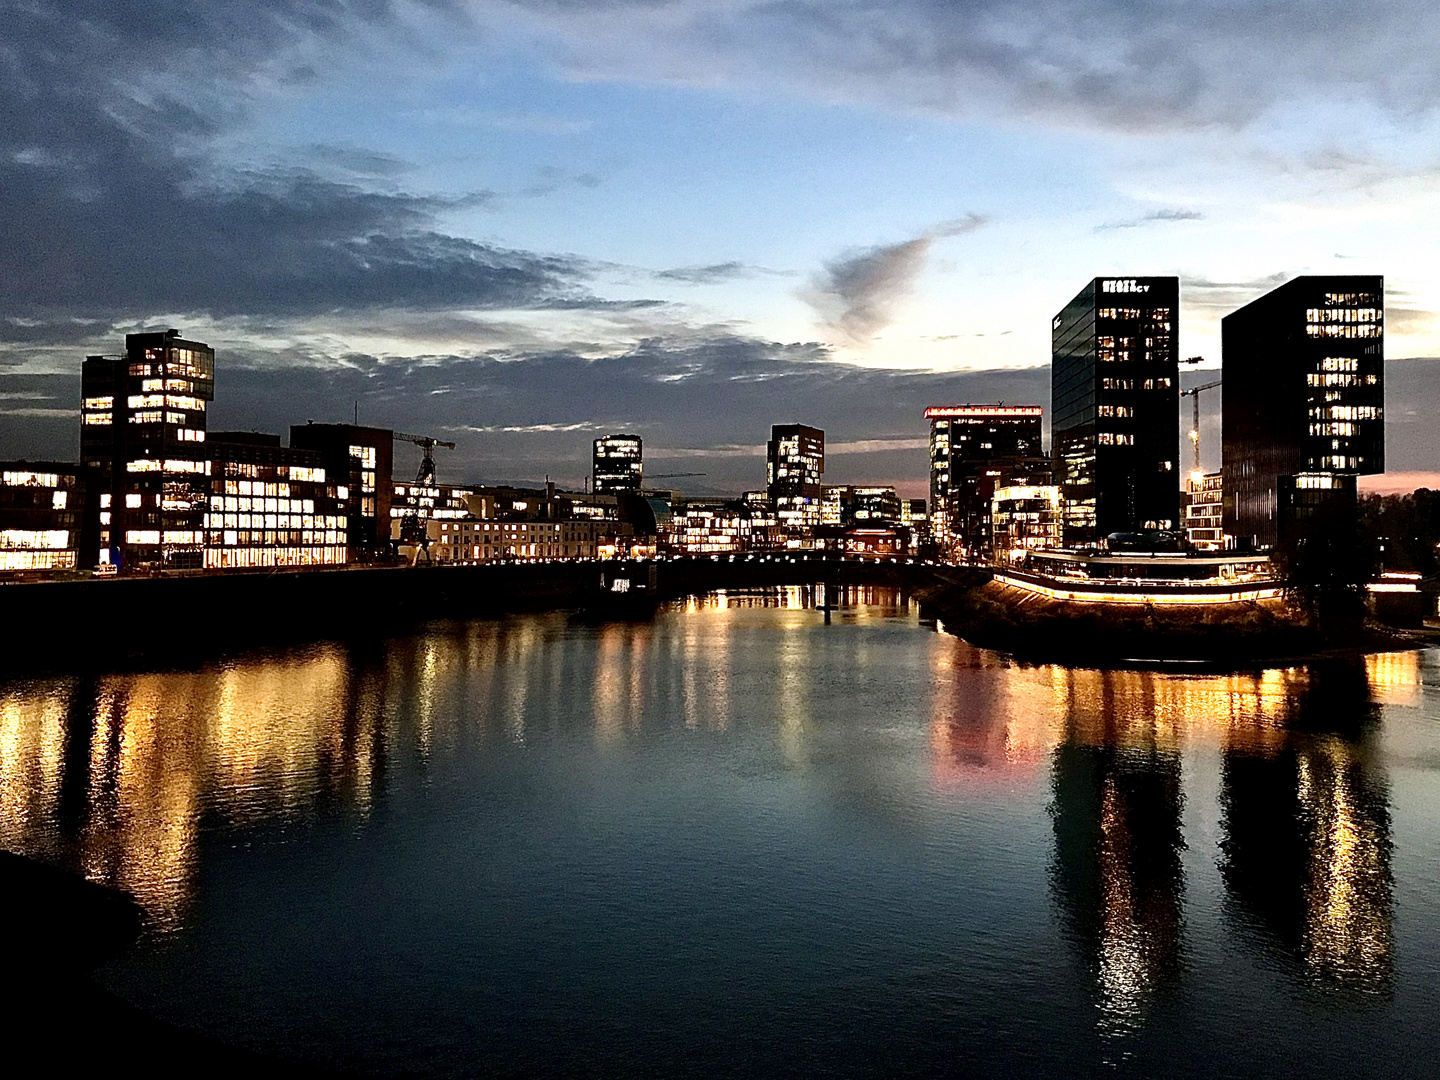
x,y
1195,392
672,475
426,475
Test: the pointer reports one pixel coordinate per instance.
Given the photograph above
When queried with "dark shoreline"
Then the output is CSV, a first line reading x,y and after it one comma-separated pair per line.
x,y
63,927
1245,636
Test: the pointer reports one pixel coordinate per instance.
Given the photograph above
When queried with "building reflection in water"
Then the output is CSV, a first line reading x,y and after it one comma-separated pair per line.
x,y
1305,852
1117,875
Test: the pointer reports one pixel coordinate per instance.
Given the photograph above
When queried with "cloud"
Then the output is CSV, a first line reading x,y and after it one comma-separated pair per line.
x,y
518,414
856,295
714,274
1151,218
117,205
1130,65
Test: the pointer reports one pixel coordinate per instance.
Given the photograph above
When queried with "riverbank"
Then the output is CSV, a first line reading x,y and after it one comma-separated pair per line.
x,y
1247,634
100,623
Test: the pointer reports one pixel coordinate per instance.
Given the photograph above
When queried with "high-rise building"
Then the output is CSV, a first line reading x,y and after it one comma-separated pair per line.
x,y
973,450
142,428
1303,371
361,461
1115,407
795,461
617,464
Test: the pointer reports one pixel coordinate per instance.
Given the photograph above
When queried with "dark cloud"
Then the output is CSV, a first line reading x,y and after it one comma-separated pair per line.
x,y
857,294
113,209
707,275
1128,64
1223,297
519,415
1152,218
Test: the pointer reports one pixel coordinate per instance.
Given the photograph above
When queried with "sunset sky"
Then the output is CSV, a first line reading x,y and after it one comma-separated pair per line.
x,y
521,224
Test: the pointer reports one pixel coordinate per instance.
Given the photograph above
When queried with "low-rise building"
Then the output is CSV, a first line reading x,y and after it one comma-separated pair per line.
x,y
44,523
1023,518
1205,513
270,505
477,540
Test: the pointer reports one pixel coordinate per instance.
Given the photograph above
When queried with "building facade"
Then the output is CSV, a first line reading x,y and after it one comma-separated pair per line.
x,y
1115,417
1024,518
142,429
973,450
795,462
1204,513
270,505
473,540
850,505
360,461
1303,370
49,513
617,464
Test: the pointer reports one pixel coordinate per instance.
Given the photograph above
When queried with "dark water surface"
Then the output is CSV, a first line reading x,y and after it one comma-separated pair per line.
x,y
737,841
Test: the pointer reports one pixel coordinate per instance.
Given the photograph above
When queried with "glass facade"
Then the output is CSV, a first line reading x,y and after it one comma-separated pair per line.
x,y
270,506
360,461
795,461
1304,401
43,517
142,428
617,463
1115,407
973,450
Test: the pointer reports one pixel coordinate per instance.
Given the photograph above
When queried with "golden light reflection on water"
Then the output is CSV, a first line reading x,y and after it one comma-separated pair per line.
x,y
1306,848
119,774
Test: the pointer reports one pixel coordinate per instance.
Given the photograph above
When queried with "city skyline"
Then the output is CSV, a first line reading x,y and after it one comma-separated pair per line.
x,y
532,224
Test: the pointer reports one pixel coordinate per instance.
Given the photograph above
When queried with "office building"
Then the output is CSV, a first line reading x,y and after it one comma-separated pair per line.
x,y
1024,518
973,450
1303,370
360,462
795,462
1204,513
1115,407
849,505
617,464
270,505
48,516
142,429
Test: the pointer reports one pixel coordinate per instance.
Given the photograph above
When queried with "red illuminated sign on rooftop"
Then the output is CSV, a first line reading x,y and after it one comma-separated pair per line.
x,y
967,412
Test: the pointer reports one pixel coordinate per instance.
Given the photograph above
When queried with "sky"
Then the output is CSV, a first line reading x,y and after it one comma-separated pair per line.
x,y
518,225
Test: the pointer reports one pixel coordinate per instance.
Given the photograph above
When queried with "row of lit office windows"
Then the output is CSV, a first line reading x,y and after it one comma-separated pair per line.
x,y
1108,383
1333,330
274,521
222,558
244,504
265,537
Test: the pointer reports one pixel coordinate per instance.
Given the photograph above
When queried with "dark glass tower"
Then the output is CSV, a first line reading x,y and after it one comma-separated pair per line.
x,y
795,461
1304,386
1115,407
617,464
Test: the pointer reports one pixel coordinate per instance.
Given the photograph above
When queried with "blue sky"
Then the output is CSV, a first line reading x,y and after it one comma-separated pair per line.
x,y
711,214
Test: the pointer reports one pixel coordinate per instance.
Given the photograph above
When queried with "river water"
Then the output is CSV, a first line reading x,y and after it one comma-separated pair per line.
x,y
740,841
